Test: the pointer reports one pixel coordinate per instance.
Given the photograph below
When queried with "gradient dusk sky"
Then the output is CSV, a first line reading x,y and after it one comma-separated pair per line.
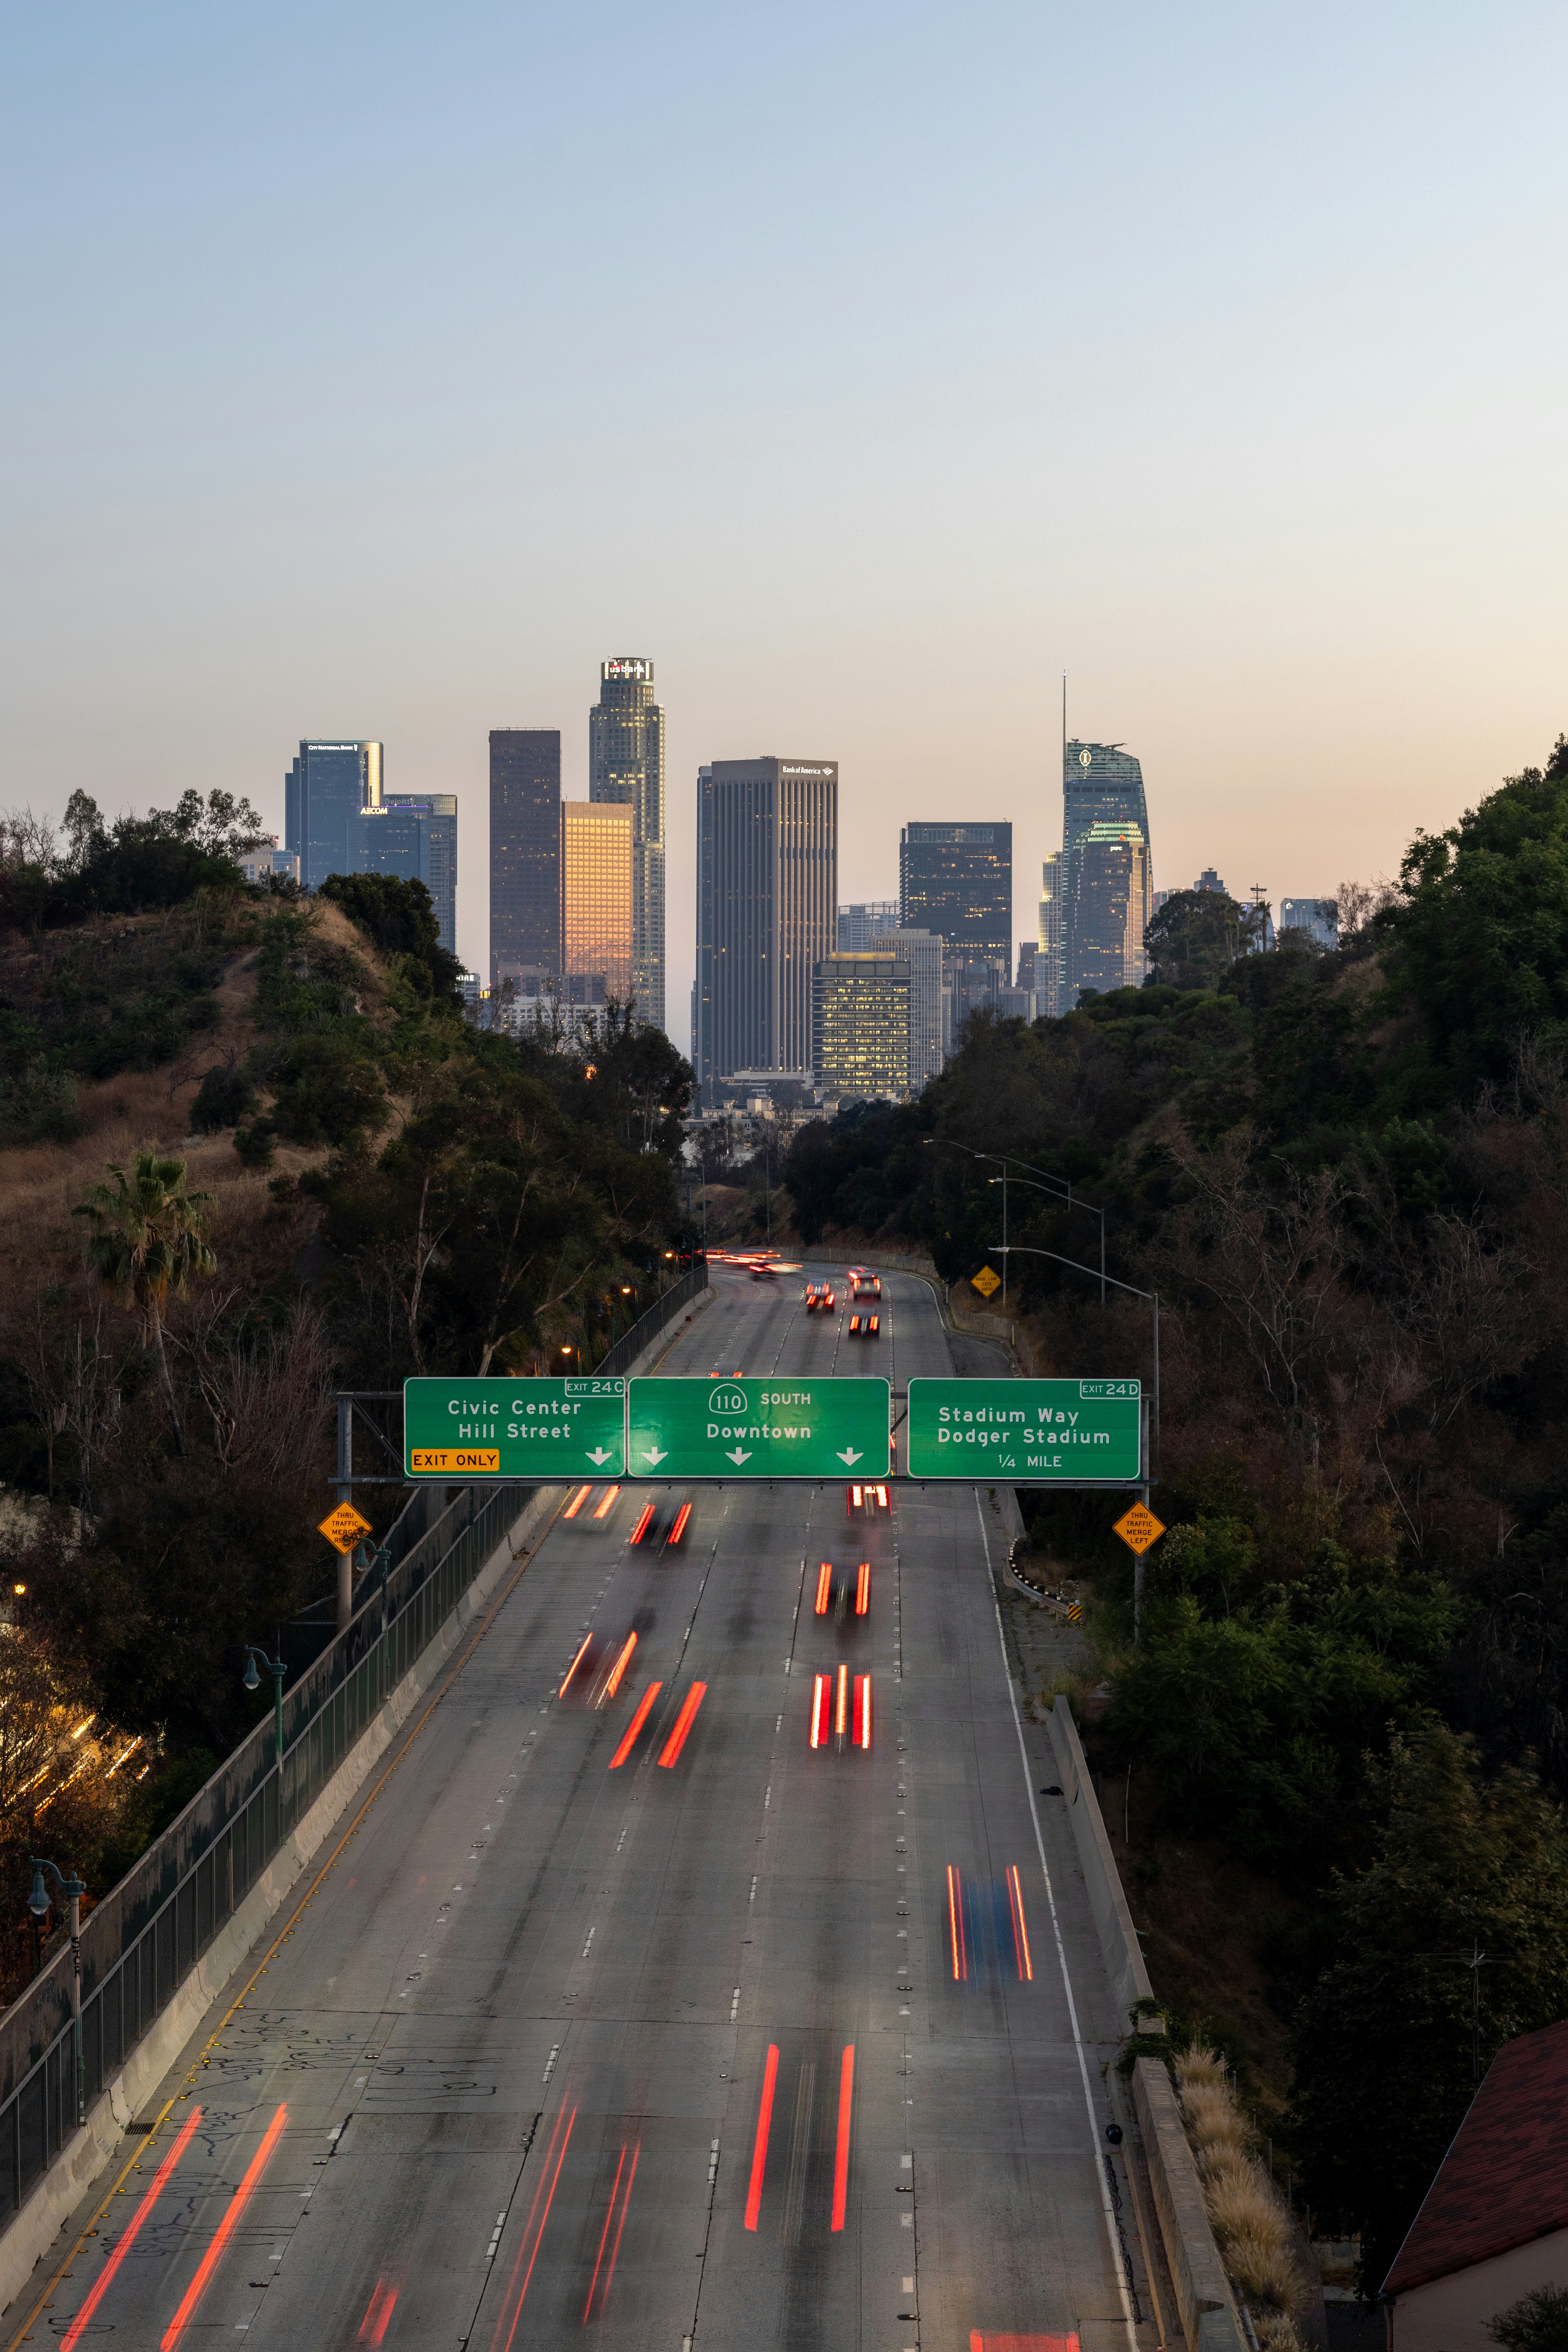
x,y
377,371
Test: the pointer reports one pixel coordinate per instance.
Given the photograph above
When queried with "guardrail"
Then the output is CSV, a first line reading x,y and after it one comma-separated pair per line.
x,y
1204,2297
630,1345
142,1942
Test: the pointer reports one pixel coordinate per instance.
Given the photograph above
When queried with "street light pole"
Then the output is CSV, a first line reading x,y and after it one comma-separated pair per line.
x,y
1067,1202
73,1889
1005,1160
1151,1468
277,1669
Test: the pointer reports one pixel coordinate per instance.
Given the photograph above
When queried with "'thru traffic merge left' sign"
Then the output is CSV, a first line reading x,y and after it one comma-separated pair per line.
x,y
469,1429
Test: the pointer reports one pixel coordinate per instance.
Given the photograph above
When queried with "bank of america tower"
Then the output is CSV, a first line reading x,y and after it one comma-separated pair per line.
x,y
626,765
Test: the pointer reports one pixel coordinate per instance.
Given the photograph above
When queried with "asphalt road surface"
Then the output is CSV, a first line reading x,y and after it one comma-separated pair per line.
x,y
634,2024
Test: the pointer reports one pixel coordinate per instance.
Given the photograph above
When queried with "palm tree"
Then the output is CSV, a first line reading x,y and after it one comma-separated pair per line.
x,y
149,1237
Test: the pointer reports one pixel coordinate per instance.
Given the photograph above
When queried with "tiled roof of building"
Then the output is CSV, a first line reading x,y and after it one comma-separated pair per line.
x,y
1505,2180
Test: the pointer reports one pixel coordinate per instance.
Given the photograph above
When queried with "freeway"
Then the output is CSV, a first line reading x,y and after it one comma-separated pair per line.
x,y
641,2020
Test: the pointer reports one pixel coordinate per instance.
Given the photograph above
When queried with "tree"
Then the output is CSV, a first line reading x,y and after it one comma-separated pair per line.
x,y
1197,933
149,1237
1538,2322
1479,938
400,917
1383,2039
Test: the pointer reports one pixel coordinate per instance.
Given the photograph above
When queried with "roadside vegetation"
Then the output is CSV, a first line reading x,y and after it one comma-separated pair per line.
x,y
254,1154
1346,1175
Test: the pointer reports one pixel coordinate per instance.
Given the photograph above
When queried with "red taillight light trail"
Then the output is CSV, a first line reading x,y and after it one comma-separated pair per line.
x,y
824,1587
683,1723
854,1498
679,1529
225,2231
1020,1932
863,1588
128,2236
618,1669
577,1661
543,2195
820,1687
883,1497
605,2233
862,1710
603,1508
645,1520
629,1737
760,2145
841,2152
841,1711
955,1938
377,2318
576,1504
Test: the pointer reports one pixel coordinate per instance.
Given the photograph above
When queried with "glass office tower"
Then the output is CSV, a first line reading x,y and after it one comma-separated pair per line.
x,y
1101,784
957,881
525,851
414,835
767,897
922,951
860,926
325,788
1109,909
596,894
860,1025
626,768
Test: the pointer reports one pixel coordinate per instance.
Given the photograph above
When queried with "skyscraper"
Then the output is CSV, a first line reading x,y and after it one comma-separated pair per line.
x,y
625,766
860,925
414,835
861,1024
921,950
327,787
525,850
1048,954
1108,908
767,874
1101,784
957,881
597,864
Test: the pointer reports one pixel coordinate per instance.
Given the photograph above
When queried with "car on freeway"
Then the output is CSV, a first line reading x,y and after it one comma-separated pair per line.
x,y
863,1283
865,1326
865,1501
819,1294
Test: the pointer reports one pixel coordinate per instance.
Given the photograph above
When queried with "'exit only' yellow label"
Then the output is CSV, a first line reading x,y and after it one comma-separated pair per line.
x,y
465,1461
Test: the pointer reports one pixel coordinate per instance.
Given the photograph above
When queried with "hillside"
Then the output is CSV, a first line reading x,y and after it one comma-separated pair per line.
x,y
254,1154
1344,1707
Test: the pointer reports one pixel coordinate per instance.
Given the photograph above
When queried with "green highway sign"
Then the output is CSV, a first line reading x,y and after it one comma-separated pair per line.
x,y
469,1429
786,1427
1066,1430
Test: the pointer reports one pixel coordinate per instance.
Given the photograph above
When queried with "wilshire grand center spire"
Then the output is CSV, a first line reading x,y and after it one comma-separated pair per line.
x,y
626,765
1107,871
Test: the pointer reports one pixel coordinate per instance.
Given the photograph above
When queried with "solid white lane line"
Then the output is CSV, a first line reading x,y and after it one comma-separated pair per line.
x,y
1106,2214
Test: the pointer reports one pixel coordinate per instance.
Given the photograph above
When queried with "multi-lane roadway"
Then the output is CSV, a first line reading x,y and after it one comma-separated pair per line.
x,y
640,2020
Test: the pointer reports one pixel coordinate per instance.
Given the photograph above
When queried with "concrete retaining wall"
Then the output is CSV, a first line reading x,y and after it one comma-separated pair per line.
x,y
89,2152
1204,2298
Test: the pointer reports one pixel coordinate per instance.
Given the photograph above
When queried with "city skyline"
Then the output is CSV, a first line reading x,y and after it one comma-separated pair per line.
x,y
1291,535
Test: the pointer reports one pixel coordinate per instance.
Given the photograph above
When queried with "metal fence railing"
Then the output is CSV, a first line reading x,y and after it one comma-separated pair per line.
x,y
630,1345
139,1945
141,1941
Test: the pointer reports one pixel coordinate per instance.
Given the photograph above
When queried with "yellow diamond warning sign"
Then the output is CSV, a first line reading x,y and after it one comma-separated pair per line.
x,y
985,1281
344,1527
1139,1528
